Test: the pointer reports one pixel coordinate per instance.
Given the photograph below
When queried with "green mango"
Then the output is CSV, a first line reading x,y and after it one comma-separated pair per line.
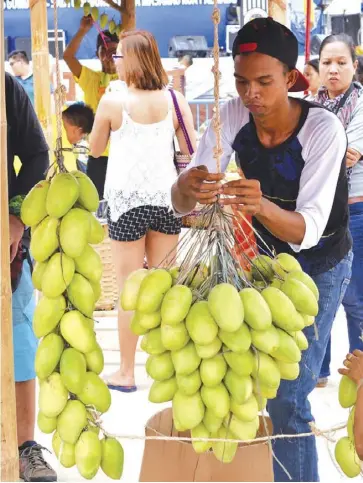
x,y
62,194
174,337
210,350
347,392
130,290
176,304
257,313
37,274
47,315
201,326
248,411
74,232
88,195
226,307
216,399
89,264
301,296
152,290
53,396
266,370
288,370
44,239
244,430
65,452
33,209
288,350
300,339
112,458
200,431
81,295
57,275
305,279
160,367
97,232
239,341
73,370
213,370
189,384
97,290
241,364
135,326
185,360
224,452
163,391
266,340
151,342
48,355
149,321
95,360
77,331
211,421
285,263
188,410
95,393
347,457
283,311
262,268
88,454
45,424
103,21
239,387
71,421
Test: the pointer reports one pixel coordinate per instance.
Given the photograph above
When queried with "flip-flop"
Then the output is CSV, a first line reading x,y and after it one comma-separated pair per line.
x,y
122,388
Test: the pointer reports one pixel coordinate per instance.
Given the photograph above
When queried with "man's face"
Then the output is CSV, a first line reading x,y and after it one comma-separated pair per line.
x,y
261,82
74,133
105,56
18,66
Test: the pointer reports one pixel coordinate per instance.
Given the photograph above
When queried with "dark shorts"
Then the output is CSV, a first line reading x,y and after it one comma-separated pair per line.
x,y
134,224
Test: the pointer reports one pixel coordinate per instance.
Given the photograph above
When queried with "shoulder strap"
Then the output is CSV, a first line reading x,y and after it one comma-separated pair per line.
x,y
344,99
181,122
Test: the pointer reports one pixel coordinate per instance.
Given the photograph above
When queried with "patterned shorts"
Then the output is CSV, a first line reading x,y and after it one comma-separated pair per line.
x,y
134,224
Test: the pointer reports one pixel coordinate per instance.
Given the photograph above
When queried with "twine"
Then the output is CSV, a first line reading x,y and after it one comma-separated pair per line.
x,y
216,17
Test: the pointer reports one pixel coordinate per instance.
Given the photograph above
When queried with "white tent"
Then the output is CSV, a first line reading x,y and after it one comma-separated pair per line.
x,y
343,7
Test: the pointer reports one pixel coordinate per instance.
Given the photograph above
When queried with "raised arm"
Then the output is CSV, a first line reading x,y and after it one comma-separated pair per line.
x,y
72,48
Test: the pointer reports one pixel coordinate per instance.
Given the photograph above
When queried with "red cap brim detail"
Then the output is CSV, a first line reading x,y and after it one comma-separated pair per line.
x,y
301,84
251,47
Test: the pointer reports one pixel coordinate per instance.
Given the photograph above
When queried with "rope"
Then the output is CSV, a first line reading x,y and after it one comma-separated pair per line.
x,y
216,16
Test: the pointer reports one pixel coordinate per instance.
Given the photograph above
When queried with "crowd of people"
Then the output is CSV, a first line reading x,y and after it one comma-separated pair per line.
x,y
301,158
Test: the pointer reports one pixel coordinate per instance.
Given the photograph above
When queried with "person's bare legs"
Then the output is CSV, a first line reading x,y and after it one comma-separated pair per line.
x,y
159,246
25,410
127,257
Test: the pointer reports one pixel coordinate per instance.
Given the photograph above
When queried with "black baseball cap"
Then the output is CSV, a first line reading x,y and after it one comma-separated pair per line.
x,y
266,36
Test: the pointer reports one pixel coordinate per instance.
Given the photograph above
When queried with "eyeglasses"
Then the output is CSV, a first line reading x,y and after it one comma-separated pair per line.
x,y
115,57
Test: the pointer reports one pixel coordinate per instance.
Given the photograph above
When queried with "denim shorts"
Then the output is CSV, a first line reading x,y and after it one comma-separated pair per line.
x,y
24,340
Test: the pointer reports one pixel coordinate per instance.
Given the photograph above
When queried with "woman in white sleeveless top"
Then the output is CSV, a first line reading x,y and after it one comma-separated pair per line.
x,y
140,123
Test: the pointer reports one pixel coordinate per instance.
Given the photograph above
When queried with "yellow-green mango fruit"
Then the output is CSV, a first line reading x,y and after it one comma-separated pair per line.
x,y
301,296
57,275
96,233
135,326
45,424
37,274
81,295
239,341
201,325
176,304
71,421
211,421
266,371
53,396
226,307
200,431
241,364
300,339
44,240
163,391
152,290
174,337
283,311
33,209
244,430
185,360
266,340
213,370
262,268
248,411
285,263
48,355
73,370
288,370
151,342
97,290
347,392
62,194
77,331
188,410
224,452
96,393
74,232
160,367
88,195
150,321
305,279
89,264
95,360
131,288
216,399
189,384
239,387
47,315
63,451
112,458
347,457
88,454
209,350
257,313
288,350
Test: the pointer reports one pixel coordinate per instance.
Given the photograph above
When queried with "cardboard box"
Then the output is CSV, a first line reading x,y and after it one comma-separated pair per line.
x,y
177,461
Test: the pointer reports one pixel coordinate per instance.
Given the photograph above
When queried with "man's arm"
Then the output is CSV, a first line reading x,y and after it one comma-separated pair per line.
x,y
72,48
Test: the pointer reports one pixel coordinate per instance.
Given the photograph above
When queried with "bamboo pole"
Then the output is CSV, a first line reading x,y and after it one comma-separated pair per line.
x,y
41,72
277,10
9,446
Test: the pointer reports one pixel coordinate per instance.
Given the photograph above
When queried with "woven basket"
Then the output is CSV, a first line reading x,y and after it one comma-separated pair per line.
x,y
109,288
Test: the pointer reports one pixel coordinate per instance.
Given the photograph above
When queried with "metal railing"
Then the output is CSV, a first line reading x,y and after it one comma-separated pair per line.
x,y
202,110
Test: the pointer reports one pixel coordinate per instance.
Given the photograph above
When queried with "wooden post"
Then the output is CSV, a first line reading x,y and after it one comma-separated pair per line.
x,y
9,444
277,10
129,15
41,72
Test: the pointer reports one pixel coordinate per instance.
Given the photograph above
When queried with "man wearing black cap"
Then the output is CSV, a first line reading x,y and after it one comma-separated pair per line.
x,y
94,84
291,154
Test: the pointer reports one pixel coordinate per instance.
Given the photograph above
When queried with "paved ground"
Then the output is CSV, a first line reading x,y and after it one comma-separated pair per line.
x,y
129,412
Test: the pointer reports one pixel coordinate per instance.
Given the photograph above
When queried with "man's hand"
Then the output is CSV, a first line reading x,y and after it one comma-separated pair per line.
x,y
16,229
200,185
86,24
353,366
352,157
244,192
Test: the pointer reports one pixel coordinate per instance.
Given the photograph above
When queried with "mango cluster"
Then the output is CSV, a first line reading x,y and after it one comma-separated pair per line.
x,y
102,18
345,452
69,359
219,358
